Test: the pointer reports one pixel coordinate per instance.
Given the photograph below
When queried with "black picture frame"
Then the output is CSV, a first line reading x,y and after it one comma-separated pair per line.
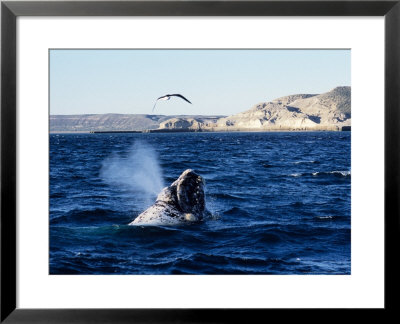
x,y
10,10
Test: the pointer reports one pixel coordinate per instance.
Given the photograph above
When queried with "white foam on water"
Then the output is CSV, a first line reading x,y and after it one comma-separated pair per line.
x,y
343,173
325,217
303,162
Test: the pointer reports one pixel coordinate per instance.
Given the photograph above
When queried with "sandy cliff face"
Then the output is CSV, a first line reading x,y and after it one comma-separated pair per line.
x,y
327,111
189,123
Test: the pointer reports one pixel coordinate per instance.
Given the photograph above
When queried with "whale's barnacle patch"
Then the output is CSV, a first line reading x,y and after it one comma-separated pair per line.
x,y
182,201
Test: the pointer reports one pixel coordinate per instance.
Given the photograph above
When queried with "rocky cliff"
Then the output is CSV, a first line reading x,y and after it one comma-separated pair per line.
x,y
327,111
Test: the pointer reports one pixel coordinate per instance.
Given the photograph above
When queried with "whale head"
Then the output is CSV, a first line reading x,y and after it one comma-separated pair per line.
x,y
187,195
183,200
190,192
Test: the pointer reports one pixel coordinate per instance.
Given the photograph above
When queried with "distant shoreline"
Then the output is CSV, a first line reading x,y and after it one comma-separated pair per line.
x,y
330,111
344,129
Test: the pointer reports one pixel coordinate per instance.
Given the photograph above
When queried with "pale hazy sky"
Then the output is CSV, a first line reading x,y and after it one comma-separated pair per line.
x,y
217,82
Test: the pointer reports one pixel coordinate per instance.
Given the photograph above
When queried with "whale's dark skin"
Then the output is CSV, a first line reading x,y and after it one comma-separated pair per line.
x,y
182,202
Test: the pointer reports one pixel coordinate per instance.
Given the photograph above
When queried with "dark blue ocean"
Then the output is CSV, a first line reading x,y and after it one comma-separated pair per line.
x,y
280,203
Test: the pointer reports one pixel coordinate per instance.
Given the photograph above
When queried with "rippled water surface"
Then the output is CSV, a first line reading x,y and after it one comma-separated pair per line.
x,y
280,203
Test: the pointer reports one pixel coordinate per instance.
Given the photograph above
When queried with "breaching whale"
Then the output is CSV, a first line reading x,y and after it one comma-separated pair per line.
x,y
183,201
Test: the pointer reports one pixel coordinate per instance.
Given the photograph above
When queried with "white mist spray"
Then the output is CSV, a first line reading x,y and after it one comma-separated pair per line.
x,y
139,172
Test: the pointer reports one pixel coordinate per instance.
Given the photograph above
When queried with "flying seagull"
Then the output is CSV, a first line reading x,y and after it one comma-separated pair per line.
x,y
168,96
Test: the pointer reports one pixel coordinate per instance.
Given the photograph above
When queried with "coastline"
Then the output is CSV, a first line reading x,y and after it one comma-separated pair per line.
x,y
337,129
330,111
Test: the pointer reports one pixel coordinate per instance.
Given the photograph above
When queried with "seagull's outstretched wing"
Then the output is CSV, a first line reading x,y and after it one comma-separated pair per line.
x,y
166,97
162,97
180,96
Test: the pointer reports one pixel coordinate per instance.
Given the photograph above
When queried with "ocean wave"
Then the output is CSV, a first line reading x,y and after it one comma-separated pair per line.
x,y
57,195
236,211
225,196
343,174
84,216
307,162
326,217
221,264
229,264
335,173
267,165
297,204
